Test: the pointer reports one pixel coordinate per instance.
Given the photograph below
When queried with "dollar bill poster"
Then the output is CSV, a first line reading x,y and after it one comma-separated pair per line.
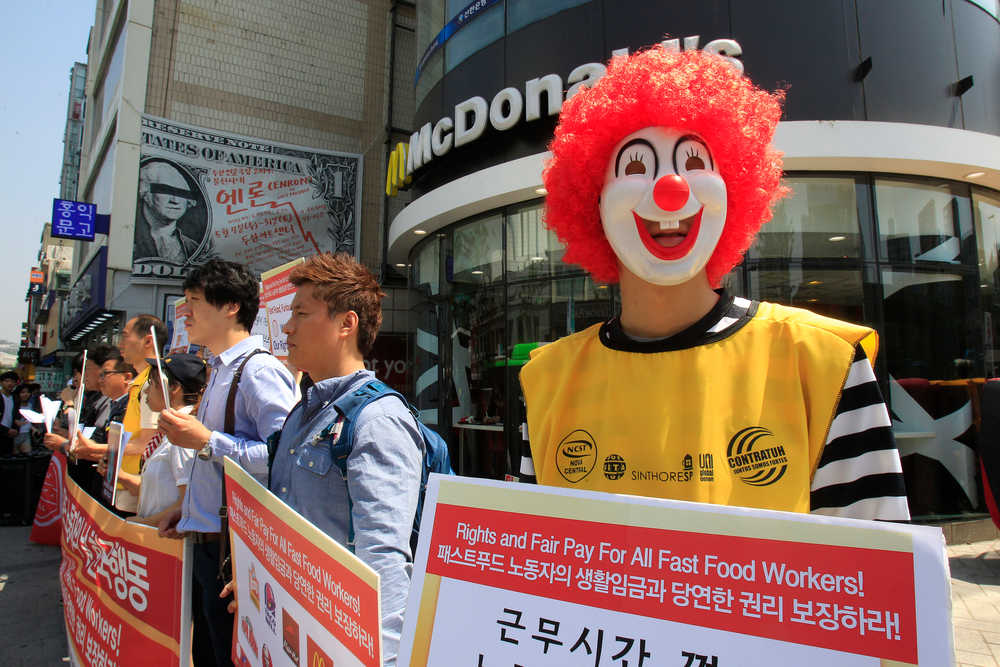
x,y
526,575
124,588
303,598
276,295
205,194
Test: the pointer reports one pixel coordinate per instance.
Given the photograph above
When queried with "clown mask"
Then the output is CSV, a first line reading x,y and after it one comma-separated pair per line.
x,y
663,205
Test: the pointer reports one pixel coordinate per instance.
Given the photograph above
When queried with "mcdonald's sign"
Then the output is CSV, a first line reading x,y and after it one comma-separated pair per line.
x,y
396,176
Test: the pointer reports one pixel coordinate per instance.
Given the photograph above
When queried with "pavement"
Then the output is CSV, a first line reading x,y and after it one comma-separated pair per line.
x,y
31,620
31,613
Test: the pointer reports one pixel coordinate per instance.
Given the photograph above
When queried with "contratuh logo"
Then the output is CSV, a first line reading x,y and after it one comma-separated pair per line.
x,y
756,457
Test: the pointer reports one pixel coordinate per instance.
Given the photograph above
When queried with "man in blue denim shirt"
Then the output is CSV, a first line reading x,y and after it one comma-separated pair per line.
x,y
223,299
335,317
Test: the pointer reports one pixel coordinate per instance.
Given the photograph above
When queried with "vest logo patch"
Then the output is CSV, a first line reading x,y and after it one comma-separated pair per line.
x,y
614,467
705,467
576,456
755,456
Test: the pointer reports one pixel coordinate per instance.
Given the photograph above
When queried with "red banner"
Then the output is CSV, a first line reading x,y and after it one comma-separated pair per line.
x,y
122,586
47,526
842,598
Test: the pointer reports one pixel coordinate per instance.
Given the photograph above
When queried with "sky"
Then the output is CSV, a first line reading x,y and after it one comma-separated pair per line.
x,y
43,40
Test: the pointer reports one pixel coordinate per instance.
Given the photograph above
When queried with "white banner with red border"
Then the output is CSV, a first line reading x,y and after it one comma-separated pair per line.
x,y
302,597
511,574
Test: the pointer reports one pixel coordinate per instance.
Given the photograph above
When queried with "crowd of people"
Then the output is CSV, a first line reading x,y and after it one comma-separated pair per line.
x,y
234,399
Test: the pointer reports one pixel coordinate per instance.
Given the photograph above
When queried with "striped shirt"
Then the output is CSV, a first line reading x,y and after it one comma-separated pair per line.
x,y
859,473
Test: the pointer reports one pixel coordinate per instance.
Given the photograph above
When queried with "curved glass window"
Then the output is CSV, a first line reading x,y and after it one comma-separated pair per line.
x,y
986,208
521,13
480,32
818,219
923,222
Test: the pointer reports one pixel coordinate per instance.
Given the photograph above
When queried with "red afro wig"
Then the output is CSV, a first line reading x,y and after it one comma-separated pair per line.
x,y
689,91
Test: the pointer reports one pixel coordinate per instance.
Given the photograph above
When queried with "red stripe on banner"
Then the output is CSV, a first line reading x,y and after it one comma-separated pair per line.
x,y
47,526
841,598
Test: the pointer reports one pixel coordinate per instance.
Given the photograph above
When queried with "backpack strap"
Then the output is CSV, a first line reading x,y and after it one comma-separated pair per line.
x,y
349,407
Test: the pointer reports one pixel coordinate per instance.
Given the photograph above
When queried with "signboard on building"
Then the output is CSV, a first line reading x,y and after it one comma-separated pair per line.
x,y
28,355
73,219
205,194
86,296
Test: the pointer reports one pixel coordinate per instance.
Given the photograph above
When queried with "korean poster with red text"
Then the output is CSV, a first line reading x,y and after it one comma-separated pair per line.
x,y
124,588
511,575
303,599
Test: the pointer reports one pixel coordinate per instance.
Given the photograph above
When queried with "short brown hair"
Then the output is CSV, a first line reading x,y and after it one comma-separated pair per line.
x,y
344,284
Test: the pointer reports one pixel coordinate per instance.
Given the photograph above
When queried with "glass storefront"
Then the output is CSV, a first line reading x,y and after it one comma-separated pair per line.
x,y
914,258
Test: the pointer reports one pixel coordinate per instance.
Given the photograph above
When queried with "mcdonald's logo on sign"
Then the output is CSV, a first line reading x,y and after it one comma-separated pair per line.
x,y
317,658
396,176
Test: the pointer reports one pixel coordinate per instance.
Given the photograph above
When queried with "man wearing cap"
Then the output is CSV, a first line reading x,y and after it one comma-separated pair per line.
x,y
164,198
166,469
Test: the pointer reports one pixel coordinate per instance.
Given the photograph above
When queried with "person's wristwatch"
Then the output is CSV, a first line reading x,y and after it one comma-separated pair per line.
x,y
205,453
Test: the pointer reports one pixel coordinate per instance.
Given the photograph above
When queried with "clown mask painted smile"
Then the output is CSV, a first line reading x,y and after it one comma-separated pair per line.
x,y
663,206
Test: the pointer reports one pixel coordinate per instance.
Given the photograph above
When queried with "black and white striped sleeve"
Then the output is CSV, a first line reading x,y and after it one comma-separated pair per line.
x,y
526,472
859,474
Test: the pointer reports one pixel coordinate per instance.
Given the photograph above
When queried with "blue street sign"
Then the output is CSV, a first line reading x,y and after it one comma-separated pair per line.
x,y
73,220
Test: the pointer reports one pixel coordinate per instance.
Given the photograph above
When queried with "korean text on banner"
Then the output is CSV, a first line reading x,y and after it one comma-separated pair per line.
x,y
510,574
276,295
124,588
300,593
179,340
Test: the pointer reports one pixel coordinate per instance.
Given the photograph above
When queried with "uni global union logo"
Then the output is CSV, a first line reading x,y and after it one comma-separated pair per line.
x,y
576,456
756,457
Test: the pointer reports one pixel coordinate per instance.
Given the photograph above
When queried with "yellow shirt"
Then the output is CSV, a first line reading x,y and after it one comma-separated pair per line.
x,y
132,422
738,421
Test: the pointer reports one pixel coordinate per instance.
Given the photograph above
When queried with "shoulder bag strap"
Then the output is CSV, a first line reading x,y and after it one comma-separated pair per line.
x,y
229,427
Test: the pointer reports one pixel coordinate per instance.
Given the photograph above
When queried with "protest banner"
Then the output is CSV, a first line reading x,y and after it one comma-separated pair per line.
x,y
301,595
124,589
47,525
259,327
179,338
276,296
527,575
243,199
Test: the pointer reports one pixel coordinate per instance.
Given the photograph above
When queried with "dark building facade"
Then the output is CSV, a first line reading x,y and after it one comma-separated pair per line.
x,y
891,135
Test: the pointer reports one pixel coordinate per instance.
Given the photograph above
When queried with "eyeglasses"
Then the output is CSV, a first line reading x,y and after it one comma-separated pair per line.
x,y
105,374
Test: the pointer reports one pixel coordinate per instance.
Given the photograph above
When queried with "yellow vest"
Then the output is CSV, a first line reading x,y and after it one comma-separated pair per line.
x,y
739,421
132,421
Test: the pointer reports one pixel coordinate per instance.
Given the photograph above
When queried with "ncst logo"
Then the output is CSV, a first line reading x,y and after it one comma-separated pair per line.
x,y
576,456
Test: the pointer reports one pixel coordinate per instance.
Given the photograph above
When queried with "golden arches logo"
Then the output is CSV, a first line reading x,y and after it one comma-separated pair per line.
x,y
395,175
